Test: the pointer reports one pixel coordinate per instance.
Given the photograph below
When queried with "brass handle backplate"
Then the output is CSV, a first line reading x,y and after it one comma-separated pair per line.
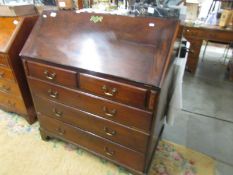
x,y
109,132
57,113
53,94
109,113
49,76
61,131
108,91
109,152
5,88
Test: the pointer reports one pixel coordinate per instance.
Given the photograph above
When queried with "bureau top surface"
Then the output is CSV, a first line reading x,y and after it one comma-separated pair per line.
x,y
133,48
8,26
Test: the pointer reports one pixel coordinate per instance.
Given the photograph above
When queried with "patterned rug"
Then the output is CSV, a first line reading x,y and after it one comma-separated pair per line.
x,y
22,152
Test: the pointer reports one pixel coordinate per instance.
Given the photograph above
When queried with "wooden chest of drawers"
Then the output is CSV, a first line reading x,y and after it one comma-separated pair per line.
x,y
97,84
14,92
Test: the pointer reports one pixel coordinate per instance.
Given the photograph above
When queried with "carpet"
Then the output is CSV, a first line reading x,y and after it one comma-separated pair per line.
x,y
22,152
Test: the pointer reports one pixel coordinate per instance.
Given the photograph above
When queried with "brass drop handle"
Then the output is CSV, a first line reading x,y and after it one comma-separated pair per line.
x,y
2,74
53,94
5,88
11,104
109,113
57,113
61,131
109,132
108,91
49,76
109,152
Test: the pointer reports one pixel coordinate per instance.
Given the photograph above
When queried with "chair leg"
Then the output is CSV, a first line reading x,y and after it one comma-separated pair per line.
x,y
203,55
225,53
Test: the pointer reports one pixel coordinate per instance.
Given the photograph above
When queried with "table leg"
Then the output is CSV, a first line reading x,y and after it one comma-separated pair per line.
x,y
193,55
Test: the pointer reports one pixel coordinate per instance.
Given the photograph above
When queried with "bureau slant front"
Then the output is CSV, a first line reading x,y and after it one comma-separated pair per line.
x,y
97,83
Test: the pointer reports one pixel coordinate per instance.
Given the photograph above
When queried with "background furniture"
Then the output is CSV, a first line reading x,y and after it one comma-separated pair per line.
x,y
196,35
14,92
96,81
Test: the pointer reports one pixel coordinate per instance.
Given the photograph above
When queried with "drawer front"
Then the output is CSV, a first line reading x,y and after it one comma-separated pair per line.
x,y
113,90
52,74
12,104
10,88
130,138
126,115
6,74
101,146
4,60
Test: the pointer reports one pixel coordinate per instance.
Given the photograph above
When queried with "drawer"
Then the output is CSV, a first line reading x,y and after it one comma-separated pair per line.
x,y
4,60
130,138
113,90
12,104
52,74
10,88
98,145
123,114
6,74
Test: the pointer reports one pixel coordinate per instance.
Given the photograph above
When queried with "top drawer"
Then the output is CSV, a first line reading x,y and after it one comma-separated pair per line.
x,y
52,74
113,90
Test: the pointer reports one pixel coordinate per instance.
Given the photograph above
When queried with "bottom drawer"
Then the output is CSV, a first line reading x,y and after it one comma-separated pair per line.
x,y
12,104
118,153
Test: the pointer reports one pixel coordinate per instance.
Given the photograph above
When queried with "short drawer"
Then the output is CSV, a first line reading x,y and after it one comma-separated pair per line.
x,y
4,60
6,74
113,90
10,88
52,74
125,136
123,114
97,144
12,104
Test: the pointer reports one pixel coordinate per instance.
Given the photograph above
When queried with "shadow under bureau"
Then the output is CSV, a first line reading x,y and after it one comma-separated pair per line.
x,y
14,92
96,83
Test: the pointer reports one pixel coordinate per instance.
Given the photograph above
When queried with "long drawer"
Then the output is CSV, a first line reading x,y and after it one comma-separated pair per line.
x,y
113,90
101,146
126,115
12,104
6,74
10,88
128,137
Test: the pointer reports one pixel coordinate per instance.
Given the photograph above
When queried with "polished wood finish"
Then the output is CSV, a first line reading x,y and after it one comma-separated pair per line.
x,y
10,87
104,82
114,90
104,128
4,60
111,110
196,35
7,31
52,74
109,149
15,94
11,103
6,74
132,39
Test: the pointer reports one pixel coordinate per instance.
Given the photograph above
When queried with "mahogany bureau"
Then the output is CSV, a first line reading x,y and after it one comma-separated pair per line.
x,y
95,81
14,92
